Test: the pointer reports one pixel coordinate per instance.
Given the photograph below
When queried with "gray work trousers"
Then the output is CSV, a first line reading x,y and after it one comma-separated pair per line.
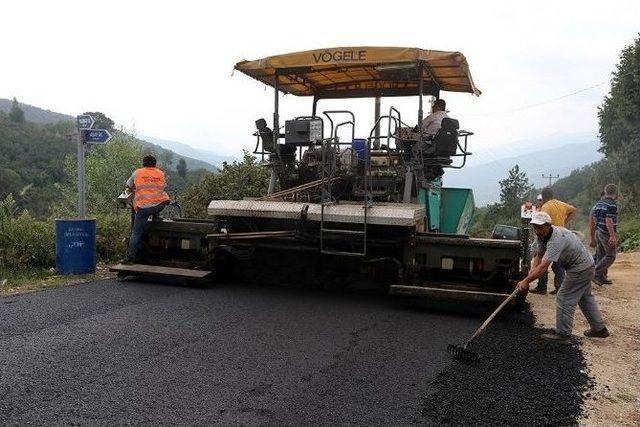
x,y
576,290
605,254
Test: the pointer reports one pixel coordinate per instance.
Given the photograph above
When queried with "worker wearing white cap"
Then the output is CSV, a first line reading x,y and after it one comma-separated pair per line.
x,y
557,244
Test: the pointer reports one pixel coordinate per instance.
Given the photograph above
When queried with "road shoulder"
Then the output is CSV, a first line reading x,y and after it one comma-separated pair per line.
x,y
614,362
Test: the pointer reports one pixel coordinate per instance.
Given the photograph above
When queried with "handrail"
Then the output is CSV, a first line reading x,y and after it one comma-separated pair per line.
x,y
353,120
335,136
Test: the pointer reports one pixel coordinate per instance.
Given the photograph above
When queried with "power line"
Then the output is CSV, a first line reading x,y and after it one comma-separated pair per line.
x,y
537,104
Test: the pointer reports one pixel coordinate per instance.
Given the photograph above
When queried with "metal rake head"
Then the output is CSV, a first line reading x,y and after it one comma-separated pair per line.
x,y
461,353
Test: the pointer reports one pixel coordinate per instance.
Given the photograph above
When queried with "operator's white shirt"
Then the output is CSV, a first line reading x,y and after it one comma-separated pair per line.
x,y
432,123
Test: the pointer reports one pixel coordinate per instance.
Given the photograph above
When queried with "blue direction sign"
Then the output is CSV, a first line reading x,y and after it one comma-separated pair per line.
x,y
85,121
96,136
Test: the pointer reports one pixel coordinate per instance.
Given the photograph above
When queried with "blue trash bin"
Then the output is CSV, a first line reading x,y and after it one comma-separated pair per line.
x,y
75,246
359,145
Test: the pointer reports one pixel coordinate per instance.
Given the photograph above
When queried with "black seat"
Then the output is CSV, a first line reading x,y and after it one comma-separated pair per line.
x,y
445,141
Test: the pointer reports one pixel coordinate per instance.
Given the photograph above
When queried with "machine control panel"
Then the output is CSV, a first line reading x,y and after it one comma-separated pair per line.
x,y
303,131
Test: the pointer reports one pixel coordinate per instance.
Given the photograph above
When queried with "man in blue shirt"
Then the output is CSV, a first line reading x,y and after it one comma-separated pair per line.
x,y
605,216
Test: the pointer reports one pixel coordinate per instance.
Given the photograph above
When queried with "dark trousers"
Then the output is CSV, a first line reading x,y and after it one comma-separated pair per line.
x,y
558,273
139,222
605,255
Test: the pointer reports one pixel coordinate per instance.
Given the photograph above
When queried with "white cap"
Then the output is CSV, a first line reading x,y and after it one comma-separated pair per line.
x,y
539,197
540,218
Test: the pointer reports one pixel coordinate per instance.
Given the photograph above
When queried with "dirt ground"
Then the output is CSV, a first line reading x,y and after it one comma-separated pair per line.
x,y
614,362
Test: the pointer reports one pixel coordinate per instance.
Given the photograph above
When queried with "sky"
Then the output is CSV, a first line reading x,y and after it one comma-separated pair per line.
x,y
164,68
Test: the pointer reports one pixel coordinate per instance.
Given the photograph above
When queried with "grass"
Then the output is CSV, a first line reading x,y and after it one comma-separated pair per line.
x,y
14,282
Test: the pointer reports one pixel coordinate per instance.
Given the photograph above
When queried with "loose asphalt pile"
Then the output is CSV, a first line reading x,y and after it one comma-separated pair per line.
x,y
521,379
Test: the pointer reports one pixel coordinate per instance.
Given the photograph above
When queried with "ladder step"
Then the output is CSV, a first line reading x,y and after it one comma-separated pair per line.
x,y
341,253
338,231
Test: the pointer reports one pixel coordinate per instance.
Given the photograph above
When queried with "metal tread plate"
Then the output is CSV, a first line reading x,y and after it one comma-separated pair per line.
x,y
395,214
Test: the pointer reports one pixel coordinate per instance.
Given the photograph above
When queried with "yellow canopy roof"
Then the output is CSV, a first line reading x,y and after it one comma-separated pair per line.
x,y
349,72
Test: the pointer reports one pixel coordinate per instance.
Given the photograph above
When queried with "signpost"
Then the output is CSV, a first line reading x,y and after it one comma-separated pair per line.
x,y
86,135
85,121
96,136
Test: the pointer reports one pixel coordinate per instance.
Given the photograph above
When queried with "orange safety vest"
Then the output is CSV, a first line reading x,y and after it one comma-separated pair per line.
x,y
149,188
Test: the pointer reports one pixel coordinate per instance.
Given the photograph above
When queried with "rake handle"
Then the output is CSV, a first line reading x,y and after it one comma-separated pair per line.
x,y
490,318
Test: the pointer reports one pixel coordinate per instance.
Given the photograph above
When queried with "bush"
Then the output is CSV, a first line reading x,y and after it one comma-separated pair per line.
x,y
112,230
236,180
629,234
26,241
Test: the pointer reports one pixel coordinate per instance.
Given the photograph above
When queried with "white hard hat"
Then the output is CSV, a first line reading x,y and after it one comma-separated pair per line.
x,y
539,197
540,218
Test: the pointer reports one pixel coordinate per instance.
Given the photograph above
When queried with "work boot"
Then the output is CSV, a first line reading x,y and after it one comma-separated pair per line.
x,y
602,333
607,282
559,338
538,290
598,281
553,292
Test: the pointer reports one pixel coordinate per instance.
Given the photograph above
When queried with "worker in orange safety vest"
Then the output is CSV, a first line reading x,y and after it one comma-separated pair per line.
x,y
148,184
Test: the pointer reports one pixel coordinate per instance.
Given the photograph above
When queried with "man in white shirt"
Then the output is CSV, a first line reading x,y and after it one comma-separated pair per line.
x,y
432,123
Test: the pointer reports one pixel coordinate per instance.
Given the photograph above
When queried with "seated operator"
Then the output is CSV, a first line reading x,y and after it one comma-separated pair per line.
x,y
432,123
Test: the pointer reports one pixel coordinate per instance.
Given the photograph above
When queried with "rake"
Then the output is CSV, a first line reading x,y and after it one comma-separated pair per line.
x,y
461,352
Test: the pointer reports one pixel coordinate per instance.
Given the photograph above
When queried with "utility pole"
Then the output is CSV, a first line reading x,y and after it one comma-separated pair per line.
x,y
550,178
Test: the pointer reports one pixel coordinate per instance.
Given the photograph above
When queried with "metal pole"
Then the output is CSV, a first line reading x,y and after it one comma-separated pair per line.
x,y
276,117
376,141
420,89
82,208
276,135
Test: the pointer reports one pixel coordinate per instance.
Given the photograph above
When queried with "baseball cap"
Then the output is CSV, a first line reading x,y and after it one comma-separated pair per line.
x,y
540,218
539,197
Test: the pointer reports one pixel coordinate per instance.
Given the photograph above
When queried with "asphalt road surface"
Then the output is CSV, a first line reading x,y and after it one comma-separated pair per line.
x,y
113,353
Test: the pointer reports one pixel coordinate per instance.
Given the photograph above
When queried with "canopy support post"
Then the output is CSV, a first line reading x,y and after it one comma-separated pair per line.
x,y
376,141
420,90
276,134
315,106
276,117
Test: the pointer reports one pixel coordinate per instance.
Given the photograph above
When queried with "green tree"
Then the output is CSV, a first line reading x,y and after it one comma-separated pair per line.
x,y
182,168
165,159
16,114
107,168
513,191
619,121
236,180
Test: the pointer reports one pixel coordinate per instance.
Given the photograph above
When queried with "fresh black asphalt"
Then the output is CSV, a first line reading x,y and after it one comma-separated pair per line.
x,y
142,353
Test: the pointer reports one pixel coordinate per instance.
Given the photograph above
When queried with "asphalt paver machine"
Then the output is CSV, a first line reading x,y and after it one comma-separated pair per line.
x,y
339,209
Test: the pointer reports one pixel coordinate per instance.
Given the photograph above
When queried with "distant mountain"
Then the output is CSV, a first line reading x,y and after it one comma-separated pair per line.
x,y
484,178
40,116
35,114
486,154
187,150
